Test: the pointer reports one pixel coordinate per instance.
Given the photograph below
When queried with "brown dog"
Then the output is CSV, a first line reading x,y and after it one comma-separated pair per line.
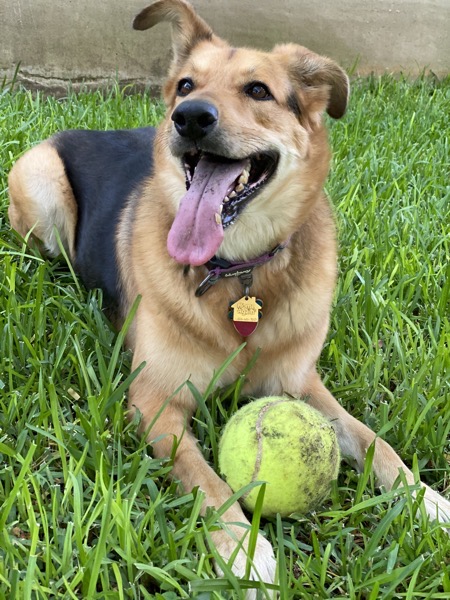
x,y
231,207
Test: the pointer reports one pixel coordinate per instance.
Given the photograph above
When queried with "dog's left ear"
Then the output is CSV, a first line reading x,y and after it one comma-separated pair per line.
x,y
320,84
188,29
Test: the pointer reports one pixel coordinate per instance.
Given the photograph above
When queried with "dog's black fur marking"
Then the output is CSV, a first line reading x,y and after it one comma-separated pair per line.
x,y
103,168
293,105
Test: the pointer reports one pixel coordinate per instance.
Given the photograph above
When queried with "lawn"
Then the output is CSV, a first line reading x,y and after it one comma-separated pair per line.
x,y
86,512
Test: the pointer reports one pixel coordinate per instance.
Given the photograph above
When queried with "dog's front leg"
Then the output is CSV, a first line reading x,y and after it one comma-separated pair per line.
x,y
191,469
355,439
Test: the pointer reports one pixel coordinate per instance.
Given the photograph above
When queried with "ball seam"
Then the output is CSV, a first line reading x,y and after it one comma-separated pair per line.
x,y
259,439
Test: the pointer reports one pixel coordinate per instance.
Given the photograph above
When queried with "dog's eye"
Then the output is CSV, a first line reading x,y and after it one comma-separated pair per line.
x,y
185,87
258,91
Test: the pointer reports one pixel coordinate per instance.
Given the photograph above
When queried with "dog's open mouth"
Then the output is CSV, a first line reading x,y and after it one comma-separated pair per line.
x,y
218,189
256,171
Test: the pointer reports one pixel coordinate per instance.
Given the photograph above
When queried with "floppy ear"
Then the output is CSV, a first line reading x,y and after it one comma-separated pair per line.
x,y
322,76
320,84
188,29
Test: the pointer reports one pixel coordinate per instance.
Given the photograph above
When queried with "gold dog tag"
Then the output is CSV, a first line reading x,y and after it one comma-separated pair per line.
x,y
246,310
245,314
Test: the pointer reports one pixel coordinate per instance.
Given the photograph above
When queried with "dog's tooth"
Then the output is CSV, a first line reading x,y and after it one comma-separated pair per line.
x,y
232,195
226,199
218,219
244,177
239,187
221,208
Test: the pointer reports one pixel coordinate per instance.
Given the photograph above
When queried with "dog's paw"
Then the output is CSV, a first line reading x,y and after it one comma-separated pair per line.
x,y
263,564
437,507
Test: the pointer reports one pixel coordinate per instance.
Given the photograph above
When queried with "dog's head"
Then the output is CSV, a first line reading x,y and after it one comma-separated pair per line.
x,y
245,128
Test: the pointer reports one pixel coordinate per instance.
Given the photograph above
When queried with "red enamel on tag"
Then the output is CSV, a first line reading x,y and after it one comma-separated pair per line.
x,y
245,328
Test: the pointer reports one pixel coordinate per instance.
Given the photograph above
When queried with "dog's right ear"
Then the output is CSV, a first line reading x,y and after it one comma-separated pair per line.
x,y
319,83
188,29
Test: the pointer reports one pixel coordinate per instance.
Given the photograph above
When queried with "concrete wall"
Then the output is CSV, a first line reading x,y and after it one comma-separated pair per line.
x,y
56,41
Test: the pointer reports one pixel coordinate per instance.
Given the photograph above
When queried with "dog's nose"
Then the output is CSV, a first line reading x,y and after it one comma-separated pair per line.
x,y
195,119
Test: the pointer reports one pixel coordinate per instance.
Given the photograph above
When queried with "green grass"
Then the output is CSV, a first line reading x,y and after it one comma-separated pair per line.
x,y
87,512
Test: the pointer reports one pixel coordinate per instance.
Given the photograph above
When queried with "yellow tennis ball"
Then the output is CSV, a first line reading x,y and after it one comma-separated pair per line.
x,y
285,443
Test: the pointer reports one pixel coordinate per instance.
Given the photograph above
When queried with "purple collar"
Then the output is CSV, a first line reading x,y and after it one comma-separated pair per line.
x,y
220,268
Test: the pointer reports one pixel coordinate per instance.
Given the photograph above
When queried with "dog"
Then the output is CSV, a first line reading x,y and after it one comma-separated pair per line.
x,y
222,203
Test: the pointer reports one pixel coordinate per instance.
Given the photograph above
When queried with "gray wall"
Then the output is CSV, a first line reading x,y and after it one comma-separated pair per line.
x,y
92,41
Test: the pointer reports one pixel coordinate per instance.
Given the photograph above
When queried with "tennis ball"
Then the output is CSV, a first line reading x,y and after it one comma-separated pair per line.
x,y
285,443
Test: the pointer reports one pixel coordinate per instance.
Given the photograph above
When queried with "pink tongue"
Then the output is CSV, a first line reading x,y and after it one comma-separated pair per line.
x,y
195,235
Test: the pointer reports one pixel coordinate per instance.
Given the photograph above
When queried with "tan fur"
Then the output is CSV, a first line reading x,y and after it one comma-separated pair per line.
x,y
42,200
181,336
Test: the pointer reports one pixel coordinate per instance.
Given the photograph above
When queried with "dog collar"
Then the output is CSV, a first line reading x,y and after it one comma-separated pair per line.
x,y
219,268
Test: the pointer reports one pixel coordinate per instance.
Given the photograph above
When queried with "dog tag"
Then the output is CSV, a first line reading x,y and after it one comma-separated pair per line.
x,y
245,314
